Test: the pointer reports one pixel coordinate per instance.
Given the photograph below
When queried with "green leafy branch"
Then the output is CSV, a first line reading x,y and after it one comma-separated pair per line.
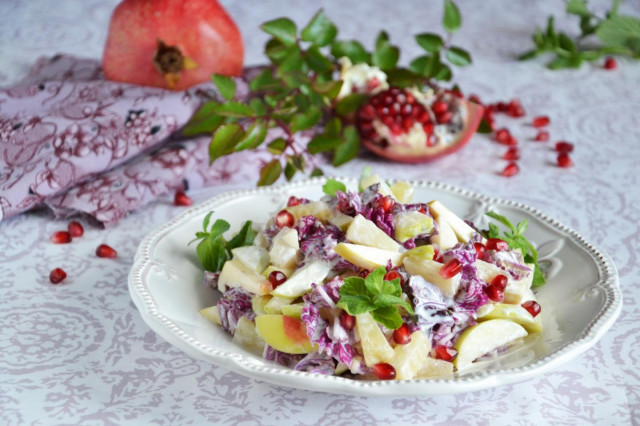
x,y
298,92
376,295
617,34
516,240
213,250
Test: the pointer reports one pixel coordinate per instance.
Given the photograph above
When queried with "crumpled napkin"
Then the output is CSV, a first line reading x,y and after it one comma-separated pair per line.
x,y
76,143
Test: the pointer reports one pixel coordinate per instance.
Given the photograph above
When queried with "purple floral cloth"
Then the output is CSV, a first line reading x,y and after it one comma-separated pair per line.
x,y
76,143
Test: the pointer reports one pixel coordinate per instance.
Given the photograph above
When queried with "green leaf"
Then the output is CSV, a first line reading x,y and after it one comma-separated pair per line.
x,y
528,55
225,85
383,38
386,57
329,89
538,278
234,109
306,119
451,19
332,186
391,300
392,287
219,227
373,281
484,127
578,7
284,113
262,81
320,31
502,219
552,36
388,316
444,73
620,31
333,127
317,61
521,227
270,173
354,297
562,62
289,170
244,237
351,49
277,146
253,136
402,77
206,220
283,29
565,43
351,103
458,56
292,61
258,107
276,50
323,143
430,42
349,149
224,140
203,121
295,79
426,65
212,254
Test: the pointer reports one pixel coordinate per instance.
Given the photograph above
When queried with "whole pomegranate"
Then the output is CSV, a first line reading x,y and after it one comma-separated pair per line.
x,y
171,43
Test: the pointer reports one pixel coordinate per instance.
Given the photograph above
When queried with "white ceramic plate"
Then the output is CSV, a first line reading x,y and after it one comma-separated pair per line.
x,y
580,301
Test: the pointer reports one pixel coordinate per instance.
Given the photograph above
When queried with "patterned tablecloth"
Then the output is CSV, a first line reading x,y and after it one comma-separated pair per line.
x,y
79,353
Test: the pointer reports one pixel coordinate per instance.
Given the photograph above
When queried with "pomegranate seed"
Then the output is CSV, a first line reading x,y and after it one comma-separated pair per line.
x,y
445,353
512,141
563,146
515,109
502,136
610,64
348,322
500,281
510,169
385,203
494,293
511,154
364,273
541,121
564,160
437,256
57,275
402,336
104,250
502,107
384,371
450,269
293,201
284,218
445,117
276,278
392,275
75,229
61,237
475,99
480,248
542,136
533,307
497,244
439,107
182,199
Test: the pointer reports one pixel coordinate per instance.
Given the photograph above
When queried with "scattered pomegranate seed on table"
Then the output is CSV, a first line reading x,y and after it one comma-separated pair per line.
x,y
402,336
610,63
57,275
533,307
511,154
276,278
502,136
284,218
182,199
510,169
541,121
564,160
107,251
61,237
384,371
542,136
348,322
450,269
563,146
515,109
75,229
445,353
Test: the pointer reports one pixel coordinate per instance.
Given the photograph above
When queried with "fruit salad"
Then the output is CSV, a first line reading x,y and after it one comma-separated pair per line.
x,y
368,283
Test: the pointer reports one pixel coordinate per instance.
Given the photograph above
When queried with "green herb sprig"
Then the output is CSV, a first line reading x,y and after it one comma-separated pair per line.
x,y
214,250
516,240
376,295
618,35
299,90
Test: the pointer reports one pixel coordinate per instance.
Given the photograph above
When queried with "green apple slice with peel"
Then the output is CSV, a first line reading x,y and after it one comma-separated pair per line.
x,y
256,258
484,338
247,336
408,359
300,282
375,346
365,232
275,304
368,257
284,333
506,311
236,274
430,271
441,213
284,249
294,310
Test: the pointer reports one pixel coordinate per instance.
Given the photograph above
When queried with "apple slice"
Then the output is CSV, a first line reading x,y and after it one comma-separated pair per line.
x,y
445,238
383,189
300,282
256,258
211,313
375,346
403,191
285,248
430,271
284,333
236,274
319,209
442,214
483,338
409,358
340,220
294,310
506,311
435,369
276,303
365,232
247,336
411,224
368,257
259,302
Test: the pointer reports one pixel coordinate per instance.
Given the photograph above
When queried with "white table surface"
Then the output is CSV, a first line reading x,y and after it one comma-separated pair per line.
x,y
79,353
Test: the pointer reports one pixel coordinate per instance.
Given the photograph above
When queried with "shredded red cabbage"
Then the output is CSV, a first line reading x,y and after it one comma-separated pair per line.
x,y
234,304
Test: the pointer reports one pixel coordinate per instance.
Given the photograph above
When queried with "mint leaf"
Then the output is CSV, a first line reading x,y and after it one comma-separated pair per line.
x,y
578,7
374,280
320,30
225,85
538,277
332,186
451,19
283,29
620,31
388,316
501,219
354,297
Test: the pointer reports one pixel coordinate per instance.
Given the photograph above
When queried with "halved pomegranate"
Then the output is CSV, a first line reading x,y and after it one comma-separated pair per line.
x,y
171,44
406,126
